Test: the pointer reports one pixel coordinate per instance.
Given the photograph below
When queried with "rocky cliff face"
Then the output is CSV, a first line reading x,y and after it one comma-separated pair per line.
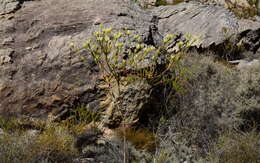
x,y
39,73
211,24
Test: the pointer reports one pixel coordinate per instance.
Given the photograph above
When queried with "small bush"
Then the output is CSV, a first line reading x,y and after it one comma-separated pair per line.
x,y
56,138
160,2
123,54
54,144
142,139
9,124
15,148
235,147
218,98
244,12
78,118
242,9
123,57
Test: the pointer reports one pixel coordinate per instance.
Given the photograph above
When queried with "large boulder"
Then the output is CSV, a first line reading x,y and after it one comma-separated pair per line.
x,y
39,73
208,23
127,106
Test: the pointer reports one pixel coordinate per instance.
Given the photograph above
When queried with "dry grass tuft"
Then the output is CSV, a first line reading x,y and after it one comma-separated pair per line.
x,y
142,139
235,147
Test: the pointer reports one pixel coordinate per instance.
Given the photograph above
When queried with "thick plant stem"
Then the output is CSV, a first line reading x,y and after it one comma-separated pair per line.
x,y
124,143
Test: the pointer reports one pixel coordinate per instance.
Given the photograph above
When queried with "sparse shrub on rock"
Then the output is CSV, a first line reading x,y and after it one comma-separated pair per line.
x,y
128,64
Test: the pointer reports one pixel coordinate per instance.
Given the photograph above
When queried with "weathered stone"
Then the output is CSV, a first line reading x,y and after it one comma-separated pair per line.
x,y
43,75
147,3
5,56
8,6
48,77
153,3
126,107
8,41
245,64
2,132
209,24
33,133
250,39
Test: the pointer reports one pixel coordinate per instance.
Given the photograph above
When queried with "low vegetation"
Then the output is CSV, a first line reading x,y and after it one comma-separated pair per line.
x,y
219,98
233,147
53,144
141,139
244,12
25,140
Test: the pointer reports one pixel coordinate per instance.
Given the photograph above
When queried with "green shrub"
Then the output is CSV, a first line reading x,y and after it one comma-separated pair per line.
x,y
160,2
123,54
123,57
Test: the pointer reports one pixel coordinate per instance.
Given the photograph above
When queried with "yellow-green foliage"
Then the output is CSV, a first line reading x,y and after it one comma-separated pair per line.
x,y
79,118
161,2
81,115
162,158
14,148
243,12
142,139
53,144
56,138
14,124
234,147
123,53
8,123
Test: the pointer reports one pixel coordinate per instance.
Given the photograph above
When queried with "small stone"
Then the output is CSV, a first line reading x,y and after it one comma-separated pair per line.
x,y
257,18
97,21
87,160
8,41
5,59
248,64
101,142
6,56
1,131
2,87
28,48
33,132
